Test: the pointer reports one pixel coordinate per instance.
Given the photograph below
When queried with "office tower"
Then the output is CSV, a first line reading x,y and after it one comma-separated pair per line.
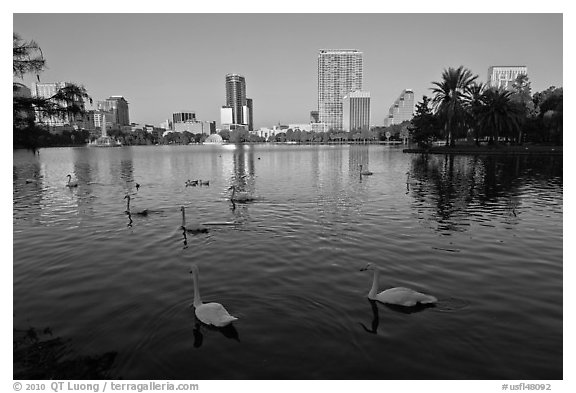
x,y
356,111
402,109
250,119
119,107
48,90
226,116
504,76
339,73
183,116
236,97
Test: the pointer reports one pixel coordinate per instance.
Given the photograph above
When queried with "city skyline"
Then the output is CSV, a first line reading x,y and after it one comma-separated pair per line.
x,y
140,63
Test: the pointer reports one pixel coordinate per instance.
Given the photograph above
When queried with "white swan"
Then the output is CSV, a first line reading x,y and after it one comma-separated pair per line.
x,y
209,313
193,229
140,213
71,183
399,296
238,196
364,173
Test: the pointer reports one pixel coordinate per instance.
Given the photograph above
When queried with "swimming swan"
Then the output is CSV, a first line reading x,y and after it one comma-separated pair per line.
x,y
197,229
209,313
365,173
400,296
240,196
71,183
140,213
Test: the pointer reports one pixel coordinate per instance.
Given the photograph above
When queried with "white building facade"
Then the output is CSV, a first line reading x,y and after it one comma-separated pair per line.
x,y
340,71
503,77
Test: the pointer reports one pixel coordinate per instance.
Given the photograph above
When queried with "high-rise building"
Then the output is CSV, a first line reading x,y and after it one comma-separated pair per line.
x,y
356,111
48,90
119,107
402,109
339,73
183,116
226,116
236,96
504,76
250,119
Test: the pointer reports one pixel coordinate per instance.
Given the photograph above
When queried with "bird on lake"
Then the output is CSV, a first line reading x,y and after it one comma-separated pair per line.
x,y
193,228
398,296
137,186
204,182
364,173
140,213
209,313
191,183
239,196
410,180
70,182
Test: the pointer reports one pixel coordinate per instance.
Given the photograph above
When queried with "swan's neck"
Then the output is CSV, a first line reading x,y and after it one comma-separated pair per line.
x,y
184,221
197,299
128,204
374,289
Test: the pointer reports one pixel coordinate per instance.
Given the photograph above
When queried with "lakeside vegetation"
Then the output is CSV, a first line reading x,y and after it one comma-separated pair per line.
x,y
464,111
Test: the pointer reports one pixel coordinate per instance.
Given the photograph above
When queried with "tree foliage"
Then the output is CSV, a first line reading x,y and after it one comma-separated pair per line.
x,y
67,103
449,97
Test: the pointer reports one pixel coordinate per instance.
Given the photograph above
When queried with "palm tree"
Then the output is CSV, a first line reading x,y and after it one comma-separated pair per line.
x,y
499,115
449,95
474,103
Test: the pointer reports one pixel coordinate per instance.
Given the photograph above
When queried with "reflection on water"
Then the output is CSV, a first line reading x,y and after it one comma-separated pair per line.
x,y
483,234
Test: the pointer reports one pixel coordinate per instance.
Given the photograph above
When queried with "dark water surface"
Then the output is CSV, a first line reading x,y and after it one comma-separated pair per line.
x,y
482,234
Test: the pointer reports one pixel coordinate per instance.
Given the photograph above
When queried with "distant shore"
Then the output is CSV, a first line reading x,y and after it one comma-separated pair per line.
x,y
489,150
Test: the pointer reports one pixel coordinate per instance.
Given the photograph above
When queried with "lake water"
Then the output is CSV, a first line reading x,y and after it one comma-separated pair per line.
x,y
482,234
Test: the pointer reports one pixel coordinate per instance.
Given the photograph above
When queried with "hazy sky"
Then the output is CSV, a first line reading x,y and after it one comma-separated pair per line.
x,y
163,63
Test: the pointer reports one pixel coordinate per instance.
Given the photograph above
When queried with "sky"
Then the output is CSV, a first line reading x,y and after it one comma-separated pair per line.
x,y
163,63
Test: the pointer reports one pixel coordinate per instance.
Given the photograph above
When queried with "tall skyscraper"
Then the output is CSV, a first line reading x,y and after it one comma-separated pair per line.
x,y
119,107
356,111
402,109
250,119
504,76
339,73
236,96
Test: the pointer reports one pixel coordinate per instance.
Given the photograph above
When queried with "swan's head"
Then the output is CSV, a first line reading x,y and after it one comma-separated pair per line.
x,y
369,266
193,269
182,208
232,187
69,176
127,196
